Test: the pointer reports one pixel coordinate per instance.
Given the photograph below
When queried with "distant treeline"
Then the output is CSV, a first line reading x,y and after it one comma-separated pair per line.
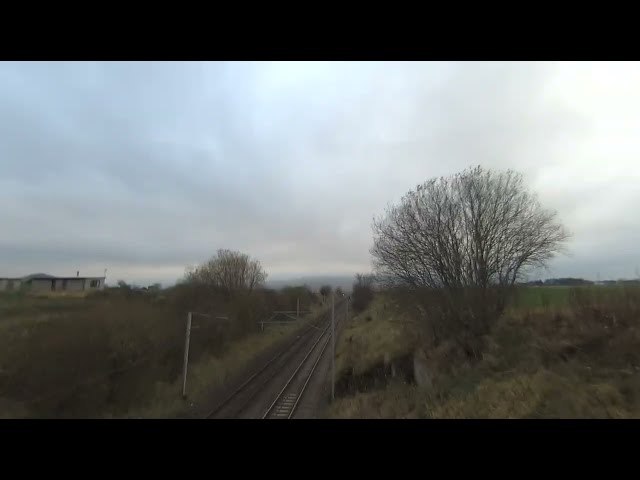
x,y
577,282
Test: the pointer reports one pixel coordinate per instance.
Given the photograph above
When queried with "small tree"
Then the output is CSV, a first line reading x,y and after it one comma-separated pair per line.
x,y
339,292
230,271
325,291
464,241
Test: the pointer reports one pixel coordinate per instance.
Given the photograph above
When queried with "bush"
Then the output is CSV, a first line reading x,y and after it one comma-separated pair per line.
x,y
361,293
106,354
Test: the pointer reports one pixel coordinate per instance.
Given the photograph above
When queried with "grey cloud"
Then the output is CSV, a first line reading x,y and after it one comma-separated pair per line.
x,y
150,167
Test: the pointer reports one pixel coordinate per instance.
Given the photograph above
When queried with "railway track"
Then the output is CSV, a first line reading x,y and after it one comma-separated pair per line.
x,y
256,387
288,399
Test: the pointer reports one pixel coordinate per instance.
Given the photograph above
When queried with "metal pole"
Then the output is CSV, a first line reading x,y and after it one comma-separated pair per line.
x,y
186,356
333,349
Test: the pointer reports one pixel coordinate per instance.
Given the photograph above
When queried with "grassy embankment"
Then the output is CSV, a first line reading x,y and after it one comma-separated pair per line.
x,y
119,354
555,353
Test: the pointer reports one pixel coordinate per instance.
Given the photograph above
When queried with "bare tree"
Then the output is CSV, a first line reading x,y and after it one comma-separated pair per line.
x,y
470,237
365,280
229,270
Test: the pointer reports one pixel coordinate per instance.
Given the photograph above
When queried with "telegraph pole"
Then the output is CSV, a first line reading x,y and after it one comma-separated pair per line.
x,y
186,356
333,348
187,340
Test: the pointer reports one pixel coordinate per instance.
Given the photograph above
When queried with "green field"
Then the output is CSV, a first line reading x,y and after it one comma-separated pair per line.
x,y
564,297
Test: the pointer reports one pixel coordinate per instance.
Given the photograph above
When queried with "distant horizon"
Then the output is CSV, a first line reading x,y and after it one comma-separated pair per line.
x,y
297,280
294,279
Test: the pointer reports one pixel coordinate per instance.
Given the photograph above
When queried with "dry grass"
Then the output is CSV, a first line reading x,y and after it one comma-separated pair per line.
x,y
578,360
211,372
396,400
544,394
376,334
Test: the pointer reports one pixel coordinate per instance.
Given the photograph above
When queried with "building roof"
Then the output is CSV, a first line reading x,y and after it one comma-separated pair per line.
x,y
65,278
37,275
46,276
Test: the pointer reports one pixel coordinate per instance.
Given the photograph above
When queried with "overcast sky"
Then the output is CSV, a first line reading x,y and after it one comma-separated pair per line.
x,y
146,168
